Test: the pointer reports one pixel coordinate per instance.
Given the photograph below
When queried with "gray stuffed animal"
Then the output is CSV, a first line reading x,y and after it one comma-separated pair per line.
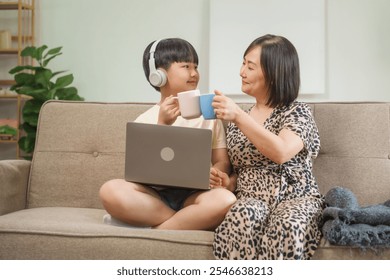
x,y
348,224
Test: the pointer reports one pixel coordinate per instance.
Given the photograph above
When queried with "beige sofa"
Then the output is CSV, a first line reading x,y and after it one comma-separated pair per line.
x,y
50,209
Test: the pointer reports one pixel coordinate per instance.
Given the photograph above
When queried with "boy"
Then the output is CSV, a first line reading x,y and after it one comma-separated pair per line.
x,y
171,66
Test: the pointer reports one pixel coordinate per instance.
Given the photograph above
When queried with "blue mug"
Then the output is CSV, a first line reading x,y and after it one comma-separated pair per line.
x,y
206,108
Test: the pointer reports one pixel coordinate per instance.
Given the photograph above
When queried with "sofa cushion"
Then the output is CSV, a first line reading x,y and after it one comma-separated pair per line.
x,y
79,146
327,251
79,233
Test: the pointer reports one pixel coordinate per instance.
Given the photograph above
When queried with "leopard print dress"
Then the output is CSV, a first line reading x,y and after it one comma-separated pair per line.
x,y
278,210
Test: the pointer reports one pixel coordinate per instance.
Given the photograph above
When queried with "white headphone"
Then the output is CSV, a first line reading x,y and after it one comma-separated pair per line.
x,y
157,77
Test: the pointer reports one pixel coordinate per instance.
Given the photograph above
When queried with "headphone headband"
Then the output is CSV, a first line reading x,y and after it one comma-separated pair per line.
x,y
154,46
157,77
152,65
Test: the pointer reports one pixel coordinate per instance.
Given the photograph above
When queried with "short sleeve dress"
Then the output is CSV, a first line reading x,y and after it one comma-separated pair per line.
x,y
279,207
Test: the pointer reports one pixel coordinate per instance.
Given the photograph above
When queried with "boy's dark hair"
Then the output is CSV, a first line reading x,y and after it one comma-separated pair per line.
x,y
167,52
280,64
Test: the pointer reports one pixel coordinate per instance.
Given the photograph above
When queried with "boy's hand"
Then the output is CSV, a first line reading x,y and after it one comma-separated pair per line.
x,y
218,179
169,111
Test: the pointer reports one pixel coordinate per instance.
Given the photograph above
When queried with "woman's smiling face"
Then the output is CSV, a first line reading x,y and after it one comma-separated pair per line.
x,y
253,81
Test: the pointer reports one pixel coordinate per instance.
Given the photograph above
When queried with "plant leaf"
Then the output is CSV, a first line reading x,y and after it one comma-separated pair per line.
x,y
53,51
22,68
31,118
31,111
43,76
69,93
24,78
28,128
52,93
23,89
6,129
29,51
27,144
58,72
39,52
39,94
64,81
46,61
32,106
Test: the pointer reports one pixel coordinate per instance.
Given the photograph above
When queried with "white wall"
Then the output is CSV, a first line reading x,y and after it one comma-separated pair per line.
x,y
104,40
358,50
228,39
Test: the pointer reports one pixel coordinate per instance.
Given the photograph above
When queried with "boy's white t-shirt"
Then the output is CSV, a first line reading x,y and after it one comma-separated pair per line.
x,y
216,126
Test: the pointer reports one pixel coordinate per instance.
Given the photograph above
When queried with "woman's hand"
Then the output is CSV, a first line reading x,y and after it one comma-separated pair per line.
x,y
225,108
169,111
218,179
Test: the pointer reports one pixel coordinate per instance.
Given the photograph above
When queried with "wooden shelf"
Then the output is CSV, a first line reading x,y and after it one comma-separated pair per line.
x,y
13,141
15,5
8,5
24,19
14,96
24,38
8,96
9,51
7,82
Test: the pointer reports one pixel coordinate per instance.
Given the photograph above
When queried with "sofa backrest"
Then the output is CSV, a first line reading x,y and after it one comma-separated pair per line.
x,y
355,149
80,145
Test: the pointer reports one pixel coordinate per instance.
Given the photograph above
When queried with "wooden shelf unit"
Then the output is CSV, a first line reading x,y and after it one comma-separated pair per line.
x,y
25,20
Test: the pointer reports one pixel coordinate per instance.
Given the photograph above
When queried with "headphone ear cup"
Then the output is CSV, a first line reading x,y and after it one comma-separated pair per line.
x,y
158,78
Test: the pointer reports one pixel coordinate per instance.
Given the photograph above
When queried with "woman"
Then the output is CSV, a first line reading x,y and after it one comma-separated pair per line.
x,y
271,146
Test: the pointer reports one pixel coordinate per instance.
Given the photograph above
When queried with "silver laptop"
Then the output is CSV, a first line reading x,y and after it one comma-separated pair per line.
x,y
169,156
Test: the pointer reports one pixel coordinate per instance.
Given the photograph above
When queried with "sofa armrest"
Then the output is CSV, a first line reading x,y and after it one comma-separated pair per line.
x,y
14,176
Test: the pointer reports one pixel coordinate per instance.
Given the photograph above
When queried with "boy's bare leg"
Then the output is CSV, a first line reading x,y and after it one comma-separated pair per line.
x,y
134,203
203,210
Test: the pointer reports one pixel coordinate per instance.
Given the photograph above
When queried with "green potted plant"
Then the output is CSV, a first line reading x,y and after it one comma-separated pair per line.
x,y
37,82
7,132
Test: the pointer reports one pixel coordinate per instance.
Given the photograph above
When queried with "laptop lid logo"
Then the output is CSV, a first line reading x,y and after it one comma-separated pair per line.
x,y
167,154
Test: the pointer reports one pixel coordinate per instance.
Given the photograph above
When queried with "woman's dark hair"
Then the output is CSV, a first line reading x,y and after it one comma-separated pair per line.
x,y
280,64
167,52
